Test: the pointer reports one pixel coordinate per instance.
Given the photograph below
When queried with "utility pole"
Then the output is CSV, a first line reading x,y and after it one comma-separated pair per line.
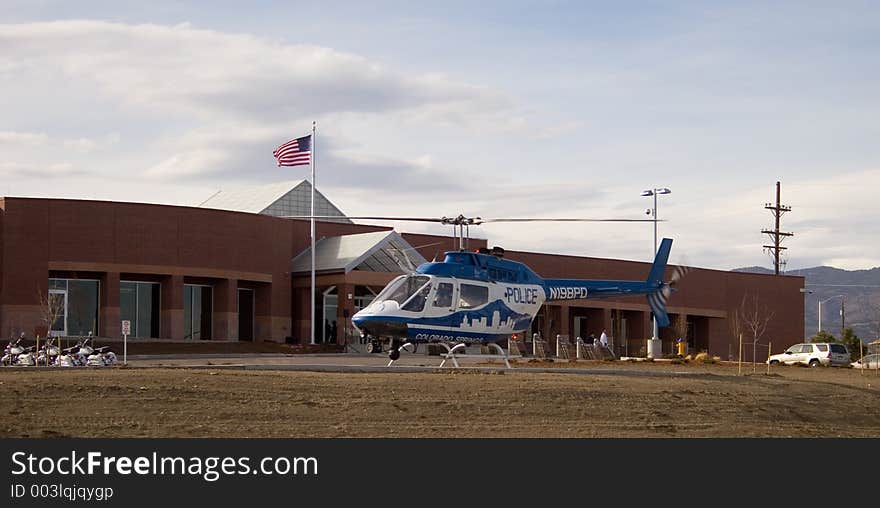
x,y
776,236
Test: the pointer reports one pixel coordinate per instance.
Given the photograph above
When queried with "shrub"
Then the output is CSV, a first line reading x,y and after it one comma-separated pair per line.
x,y
705,358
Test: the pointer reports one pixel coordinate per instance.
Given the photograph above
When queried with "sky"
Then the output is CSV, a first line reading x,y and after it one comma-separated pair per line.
x,y
487,109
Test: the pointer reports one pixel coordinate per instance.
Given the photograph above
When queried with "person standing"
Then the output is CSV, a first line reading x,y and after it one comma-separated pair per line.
x,y
603,339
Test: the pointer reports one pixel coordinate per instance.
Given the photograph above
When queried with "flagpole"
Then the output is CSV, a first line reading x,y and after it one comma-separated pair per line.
x,y
312,158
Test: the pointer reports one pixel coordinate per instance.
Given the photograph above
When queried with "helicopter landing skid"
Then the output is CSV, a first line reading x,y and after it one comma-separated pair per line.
x,y
451,354
411,349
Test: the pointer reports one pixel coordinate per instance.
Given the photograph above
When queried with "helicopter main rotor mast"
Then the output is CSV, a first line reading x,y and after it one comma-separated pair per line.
x,y
461,228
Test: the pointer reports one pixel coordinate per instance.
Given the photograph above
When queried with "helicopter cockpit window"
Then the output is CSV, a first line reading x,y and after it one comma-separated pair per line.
x,y
443,297
473,296
417,302
406,288
390,288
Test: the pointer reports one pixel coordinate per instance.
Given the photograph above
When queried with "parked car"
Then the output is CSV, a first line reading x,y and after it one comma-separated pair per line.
x,y
867,362
814,355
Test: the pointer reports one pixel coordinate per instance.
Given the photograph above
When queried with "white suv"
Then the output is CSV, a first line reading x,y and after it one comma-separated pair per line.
x,y
814,355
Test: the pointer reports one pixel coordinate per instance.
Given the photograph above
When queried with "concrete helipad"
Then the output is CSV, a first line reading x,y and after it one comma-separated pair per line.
x,y
363,363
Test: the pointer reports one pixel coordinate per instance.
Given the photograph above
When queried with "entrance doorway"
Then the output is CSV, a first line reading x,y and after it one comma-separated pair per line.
x,y
619,334
246,314
580,327
330,326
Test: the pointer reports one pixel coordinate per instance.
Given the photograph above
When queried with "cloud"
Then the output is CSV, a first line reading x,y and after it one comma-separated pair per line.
x,y
180,69
193,109
195,163
30,140
36,155
81,145
200,104
51,171
22,138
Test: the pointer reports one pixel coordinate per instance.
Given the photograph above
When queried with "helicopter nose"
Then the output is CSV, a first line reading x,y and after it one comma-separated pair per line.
x,y
379,326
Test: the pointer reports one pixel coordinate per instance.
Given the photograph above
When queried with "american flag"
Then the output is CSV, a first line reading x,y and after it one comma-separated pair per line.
x,y
296,152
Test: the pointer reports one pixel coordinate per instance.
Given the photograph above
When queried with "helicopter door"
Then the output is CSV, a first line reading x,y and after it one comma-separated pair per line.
x,y
443,296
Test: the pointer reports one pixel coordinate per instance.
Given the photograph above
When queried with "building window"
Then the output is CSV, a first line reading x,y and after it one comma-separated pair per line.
x,y
80,306
139,304
197,311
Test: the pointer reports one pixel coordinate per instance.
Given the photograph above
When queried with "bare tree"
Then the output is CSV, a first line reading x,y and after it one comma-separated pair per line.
x,y
754,317
51,308
737,327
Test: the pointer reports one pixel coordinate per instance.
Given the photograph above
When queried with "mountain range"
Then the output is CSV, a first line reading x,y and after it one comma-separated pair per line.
x,y
851,296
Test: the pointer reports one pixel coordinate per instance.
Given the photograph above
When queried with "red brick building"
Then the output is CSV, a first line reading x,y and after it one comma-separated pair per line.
x,y
193,273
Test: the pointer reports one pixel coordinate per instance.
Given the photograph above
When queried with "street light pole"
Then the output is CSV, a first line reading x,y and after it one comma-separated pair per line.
x,y
654,329
841,312
652,342
809,292
655,226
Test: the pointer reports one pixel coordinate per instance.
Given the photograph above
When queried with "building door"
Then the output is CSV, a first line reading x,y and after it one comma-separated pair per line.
x,y
580,327
360,302
246,314
197,311
58,300
330,326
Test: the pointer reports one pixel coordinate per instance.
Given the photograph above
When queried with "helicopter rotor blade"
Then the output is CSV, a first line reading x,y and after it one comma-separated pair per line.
x,y
481,221
338,217
461,219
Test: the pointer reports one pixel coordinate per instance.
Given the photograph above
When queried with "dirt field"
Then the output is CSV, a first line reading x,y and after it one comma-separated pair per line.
x,y
700,401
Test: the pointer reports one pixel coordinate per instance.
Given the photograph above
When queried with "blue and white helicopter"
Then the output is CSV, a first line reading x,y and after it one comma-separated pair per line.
x,y
481,298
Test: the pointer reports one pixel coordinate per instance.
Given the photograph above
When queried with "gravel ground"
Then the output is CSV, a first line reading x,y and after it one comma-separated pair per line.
x,y
605,399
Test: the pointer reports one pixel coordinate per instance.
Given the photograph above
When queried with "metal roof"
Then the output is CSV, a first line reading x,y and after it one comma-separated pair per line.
x,y
382,251
278,199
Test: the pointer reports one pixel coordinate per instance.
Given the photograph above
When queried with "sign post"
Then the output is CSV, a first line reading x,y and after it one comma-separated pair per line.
x,y
126,329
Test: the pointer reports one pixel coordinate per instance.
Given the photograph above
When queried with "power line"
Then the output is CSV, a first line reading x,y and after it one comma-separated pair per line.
x,y
775,235
846,285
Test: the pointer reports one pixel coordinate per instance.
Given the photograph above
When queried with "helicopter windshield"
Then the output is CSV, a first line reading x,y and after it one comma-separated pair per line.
x,y
405,287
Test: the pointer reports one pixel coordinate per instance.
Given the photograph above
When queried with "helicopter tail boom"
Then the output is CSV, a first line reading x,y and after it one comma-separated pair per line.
x,y
653,288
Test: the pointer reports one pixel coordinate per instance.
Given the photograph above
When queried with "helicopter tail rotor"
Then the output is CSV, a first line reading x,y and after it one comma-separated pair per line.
x,y
658,299
677,274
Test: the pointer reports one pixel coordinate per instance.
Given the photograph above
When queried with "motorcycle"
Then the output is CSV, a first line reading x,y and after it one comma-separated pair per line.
x,y
11,352
16,354
75,356
102,357
49,352
84,353
28,357
96,356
